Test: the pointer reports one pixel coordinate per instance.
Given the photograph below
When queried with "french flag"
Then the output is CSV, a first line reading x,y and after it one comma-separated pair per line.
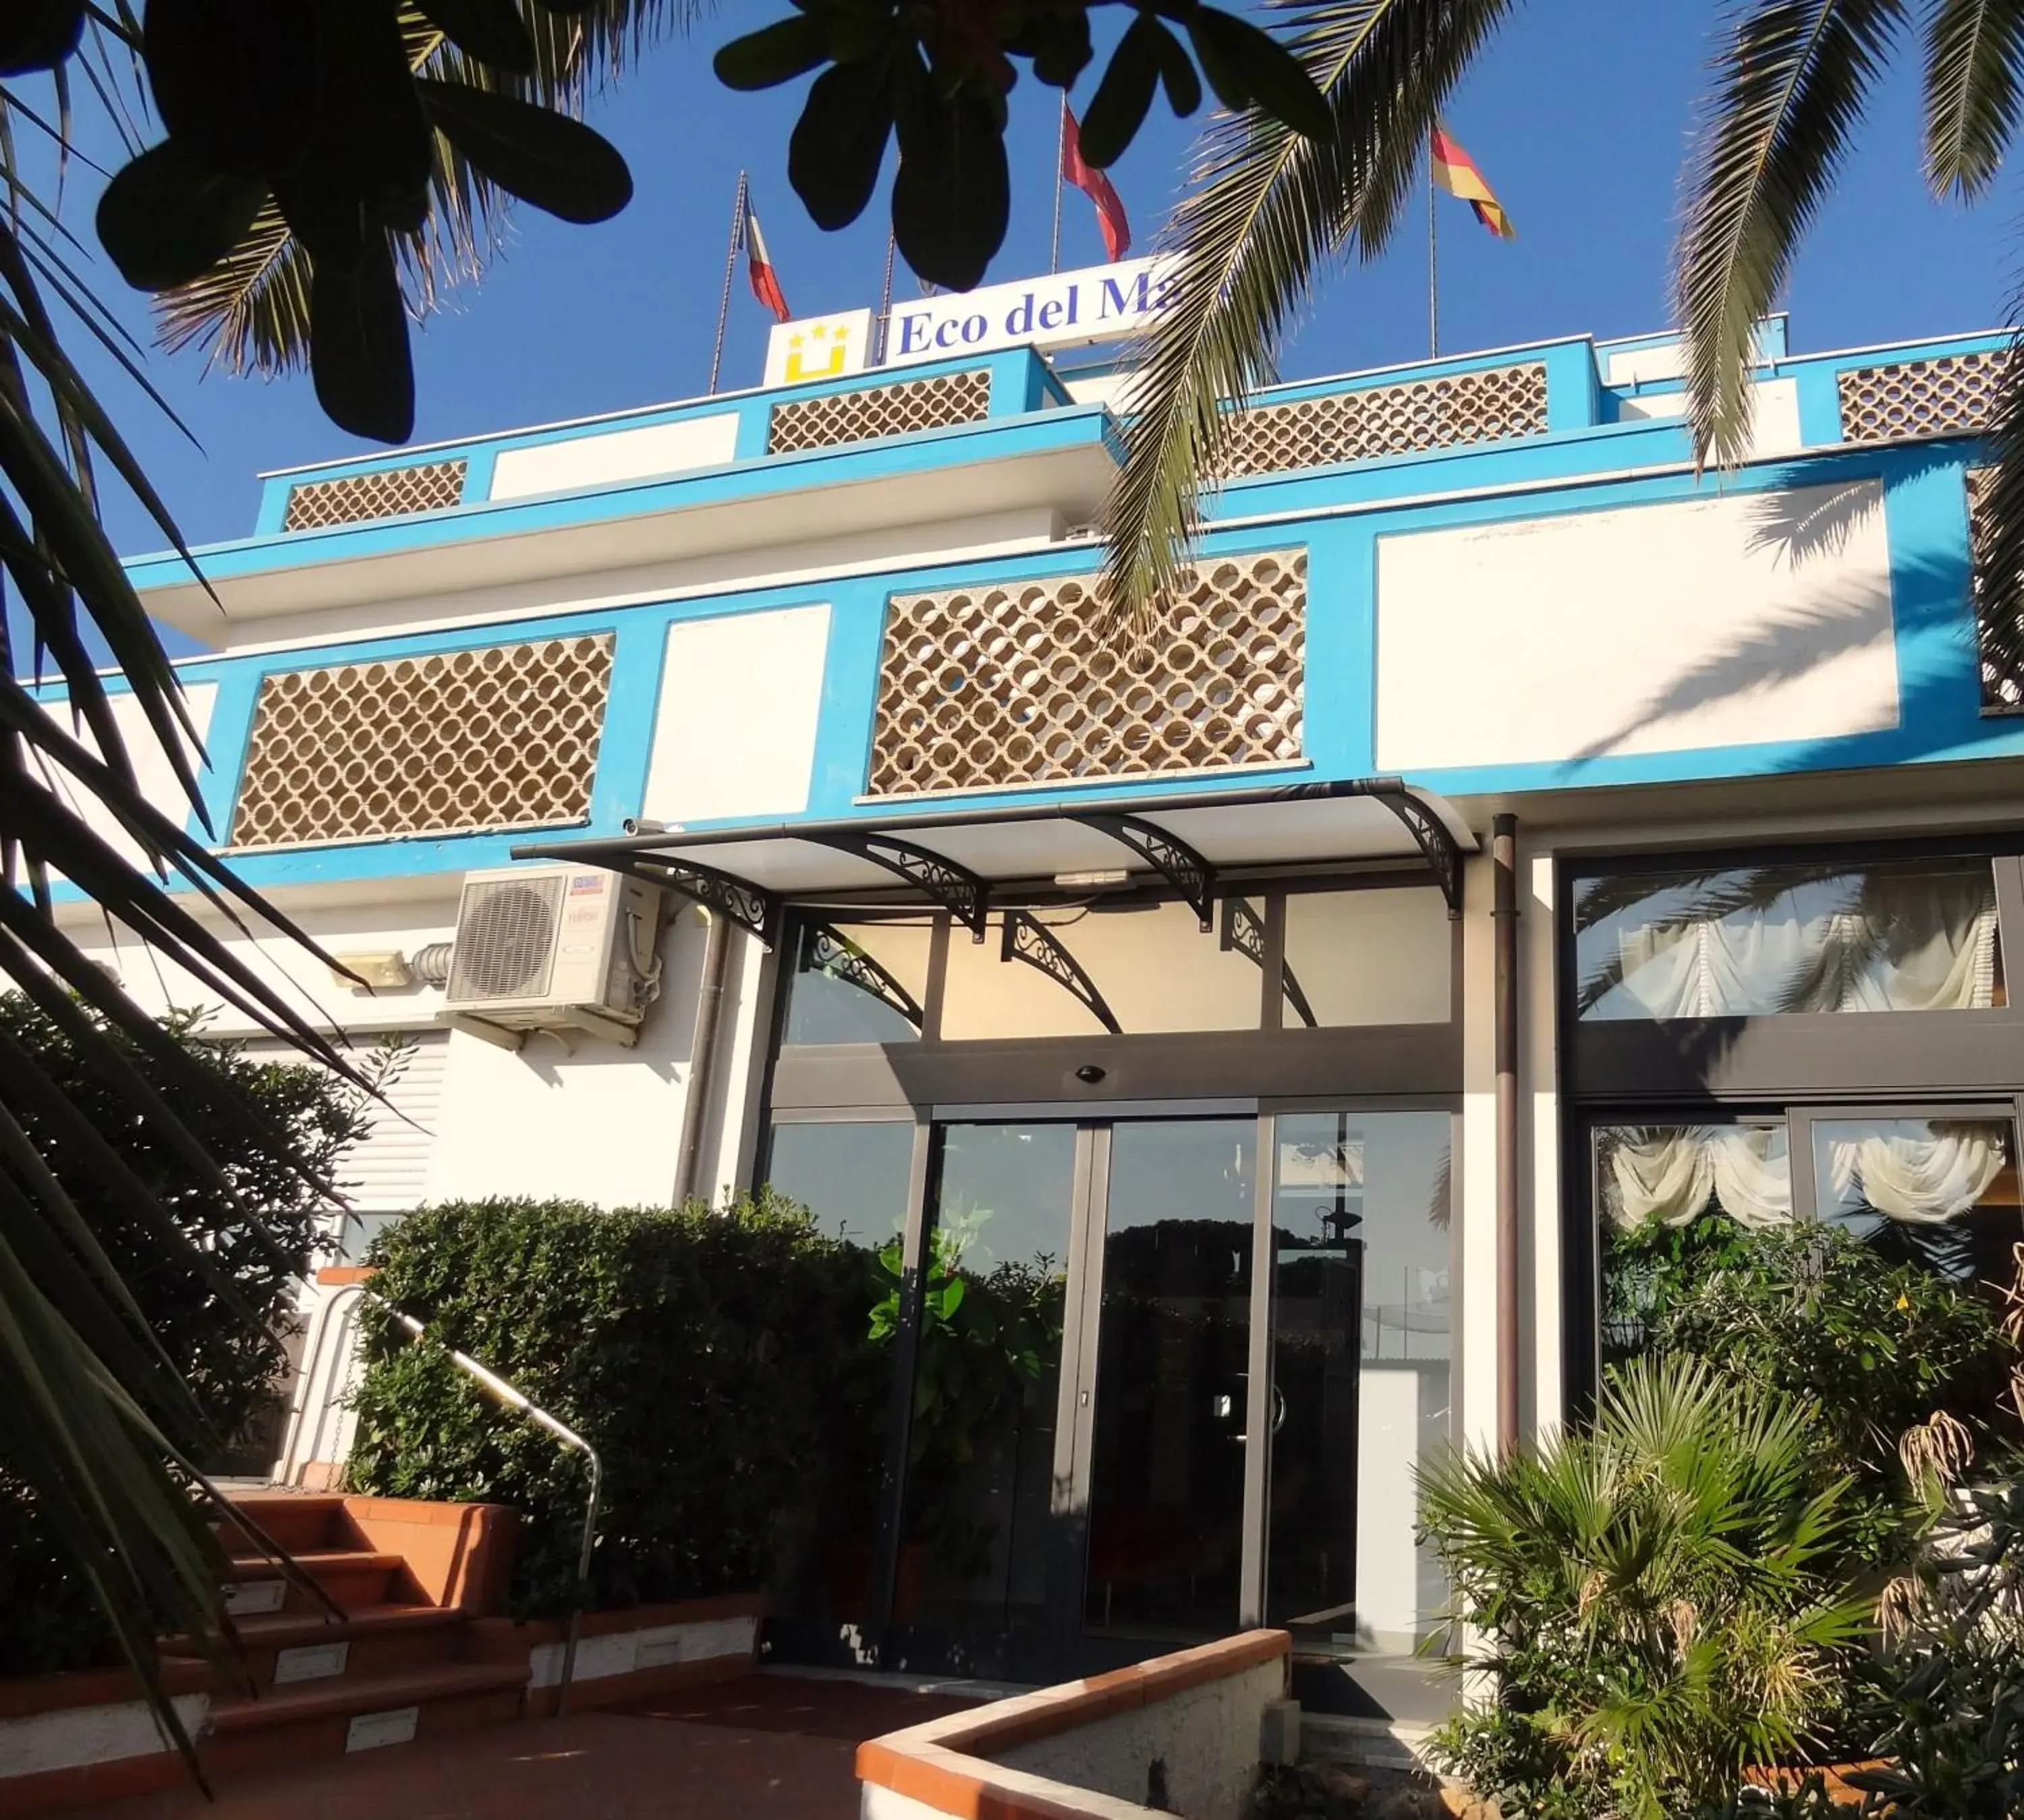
x,y
759,268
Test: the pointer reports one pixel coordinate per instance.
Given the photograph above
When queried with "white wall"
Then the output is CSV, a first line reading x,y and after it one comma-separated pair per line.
x,y
285,966
153,768
1720,620
615,455
1206,1738
735,732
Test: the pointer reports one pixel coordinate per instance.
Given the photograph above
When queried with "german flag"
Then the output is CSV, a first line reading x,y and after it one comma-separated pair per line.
x,y
1456,172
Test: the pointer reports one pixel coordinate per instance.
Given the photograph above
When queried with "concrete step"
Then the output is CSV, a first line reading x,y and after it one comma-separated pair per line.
x,y
297,1521
291,1649
1383,1743
331,1718
349,1577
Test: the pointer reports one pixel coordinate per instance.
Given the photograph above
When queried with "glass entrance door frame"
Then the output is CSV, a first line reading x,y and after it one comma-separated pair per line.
x,y
1064,1645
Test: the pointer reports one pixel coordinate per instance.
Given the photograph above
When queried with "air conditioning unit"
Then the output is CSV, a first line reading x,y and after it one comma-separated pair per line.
x,y
553,948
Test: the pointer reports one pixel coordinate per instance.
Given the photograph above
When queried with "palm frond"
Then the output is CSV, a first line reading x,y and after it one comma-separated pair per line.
x,y
96,1428
250,312
1792,77
1998,530
1974,63
1266,207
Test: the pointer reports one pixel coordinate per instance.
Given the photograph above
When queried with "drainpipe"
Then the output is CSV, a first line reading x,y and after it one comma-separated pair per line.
x,y
702,1051
1504,938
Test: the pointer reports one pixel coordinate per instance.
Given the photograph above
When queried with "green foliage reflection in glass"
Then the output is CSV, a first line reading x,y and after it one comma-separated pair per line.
x,y
986,1338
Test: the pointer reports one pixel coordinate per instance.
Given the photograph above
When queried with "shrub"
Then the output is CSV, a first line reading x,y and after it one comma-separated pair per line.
x,y
1654,1595
1877,1345
713,1357
1951,1707
230,1357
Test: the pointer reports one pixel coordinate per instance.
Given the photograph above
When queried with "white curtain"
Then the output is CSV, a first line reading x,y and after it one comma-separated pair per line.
x,y
1942,960
1671,1177
1926,1179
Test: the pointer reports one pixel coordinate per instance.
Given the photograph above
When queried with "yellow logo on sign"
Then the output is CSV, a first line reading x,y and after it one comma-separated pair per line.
x,y
827,357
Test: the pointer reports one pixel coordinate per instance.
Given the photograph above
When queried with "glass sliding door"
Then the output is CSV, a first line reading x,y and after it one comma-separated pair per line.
x,y
987,1380
1361,1373
856,1179
1167,1452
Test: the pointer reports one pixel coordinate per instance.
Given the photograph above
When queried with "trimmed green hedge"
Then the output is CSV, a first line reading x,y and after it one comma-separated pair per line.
x,y
712,1357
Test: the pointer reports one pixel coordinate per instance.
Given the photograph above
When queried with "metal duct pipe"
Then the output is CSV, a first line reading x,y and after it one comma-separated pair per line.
x,y
702,1051
1504,1014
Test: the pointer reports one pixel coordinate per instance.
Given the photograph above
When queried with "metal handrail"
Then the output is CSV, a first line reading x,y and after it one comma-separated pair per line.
x,y
515,1399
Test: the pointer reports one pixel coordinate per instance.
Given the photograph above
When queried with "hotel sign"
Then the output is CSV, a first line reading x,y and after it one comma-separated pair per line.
x,y
1099,303
819,347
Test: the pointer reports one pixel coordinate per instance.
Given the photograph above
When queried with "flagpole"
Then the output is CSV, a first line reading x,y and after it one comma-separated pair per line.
x,y
1061,135
1433,262
884,305
730,269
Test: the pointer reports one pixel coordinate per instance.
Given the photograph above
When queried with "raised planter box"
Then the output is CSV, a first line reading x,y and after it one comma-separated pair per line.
x,y
74,1740
629,1655
1182,1731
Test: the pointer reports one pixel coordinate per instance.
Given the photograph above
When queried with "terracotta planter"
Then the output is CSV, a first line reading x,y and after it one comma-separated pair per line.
x,y
1461,1801
1830,1774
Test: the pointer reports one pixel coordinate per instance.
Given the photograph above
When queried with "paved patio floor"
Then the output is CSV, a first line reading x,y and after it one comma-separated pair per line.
x,y
768,1744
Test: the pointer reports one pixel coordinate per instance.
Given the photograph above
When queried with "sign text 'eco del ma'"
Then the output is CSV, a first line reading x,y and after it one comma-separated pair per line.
x,y
1098,304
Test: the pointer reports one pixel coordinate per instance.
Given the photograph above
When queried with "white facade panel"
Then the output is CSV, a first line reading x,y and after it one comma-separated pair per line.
x,y
615,455
735,734
153,768
1722,621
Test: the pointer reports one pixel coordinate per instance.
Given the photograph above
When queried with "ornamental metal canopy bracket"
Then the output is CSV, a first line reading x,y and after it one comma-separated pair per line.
x,y
1027,939
954,888
1435,841
826,949
1171,857
751,906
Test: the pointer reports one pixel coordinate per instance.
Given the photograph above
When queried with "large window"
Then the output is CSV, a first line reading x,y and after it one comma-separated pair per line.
x,y
1679,1204
1127,965
1748,941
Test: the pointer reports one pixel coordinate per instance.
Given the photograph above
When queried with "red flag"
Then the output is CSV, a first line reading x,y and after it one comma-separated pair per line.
x,y
759,268
1097,187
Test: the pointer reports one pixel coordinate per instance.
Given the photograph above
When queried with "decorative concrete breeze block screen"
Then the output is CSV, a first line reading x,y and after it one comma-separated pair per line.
x,y
1433,413
457,742
386,494
1934,397
857,417
1020,683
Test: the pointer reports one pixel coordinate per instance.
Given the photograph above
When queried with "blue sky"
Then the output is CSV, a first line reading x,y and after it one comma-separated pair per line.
x,y
1580,117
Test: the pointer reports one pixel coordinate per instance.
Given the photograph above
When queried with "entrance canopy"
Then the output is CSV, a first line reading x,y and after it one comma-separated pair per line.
x,y
955,859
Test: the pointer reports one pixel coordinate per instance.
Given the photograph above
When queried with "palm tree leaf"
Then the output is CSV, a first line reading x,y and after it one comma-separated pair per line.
x,y
1997,532
1974,62
251,311
1792,78
1266,207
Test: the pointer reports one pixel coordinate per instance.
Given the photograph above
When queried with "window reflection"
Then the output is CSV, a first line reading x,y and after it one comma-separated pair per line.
x,y
1166,1501
1361,1340
1918,935
1939,1193
1677,1200
853,1180
980,1456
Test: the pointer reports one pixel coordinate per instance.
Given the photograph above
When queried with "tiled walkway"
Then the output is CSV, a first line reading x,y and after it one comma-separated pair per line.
x,y
772,1744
